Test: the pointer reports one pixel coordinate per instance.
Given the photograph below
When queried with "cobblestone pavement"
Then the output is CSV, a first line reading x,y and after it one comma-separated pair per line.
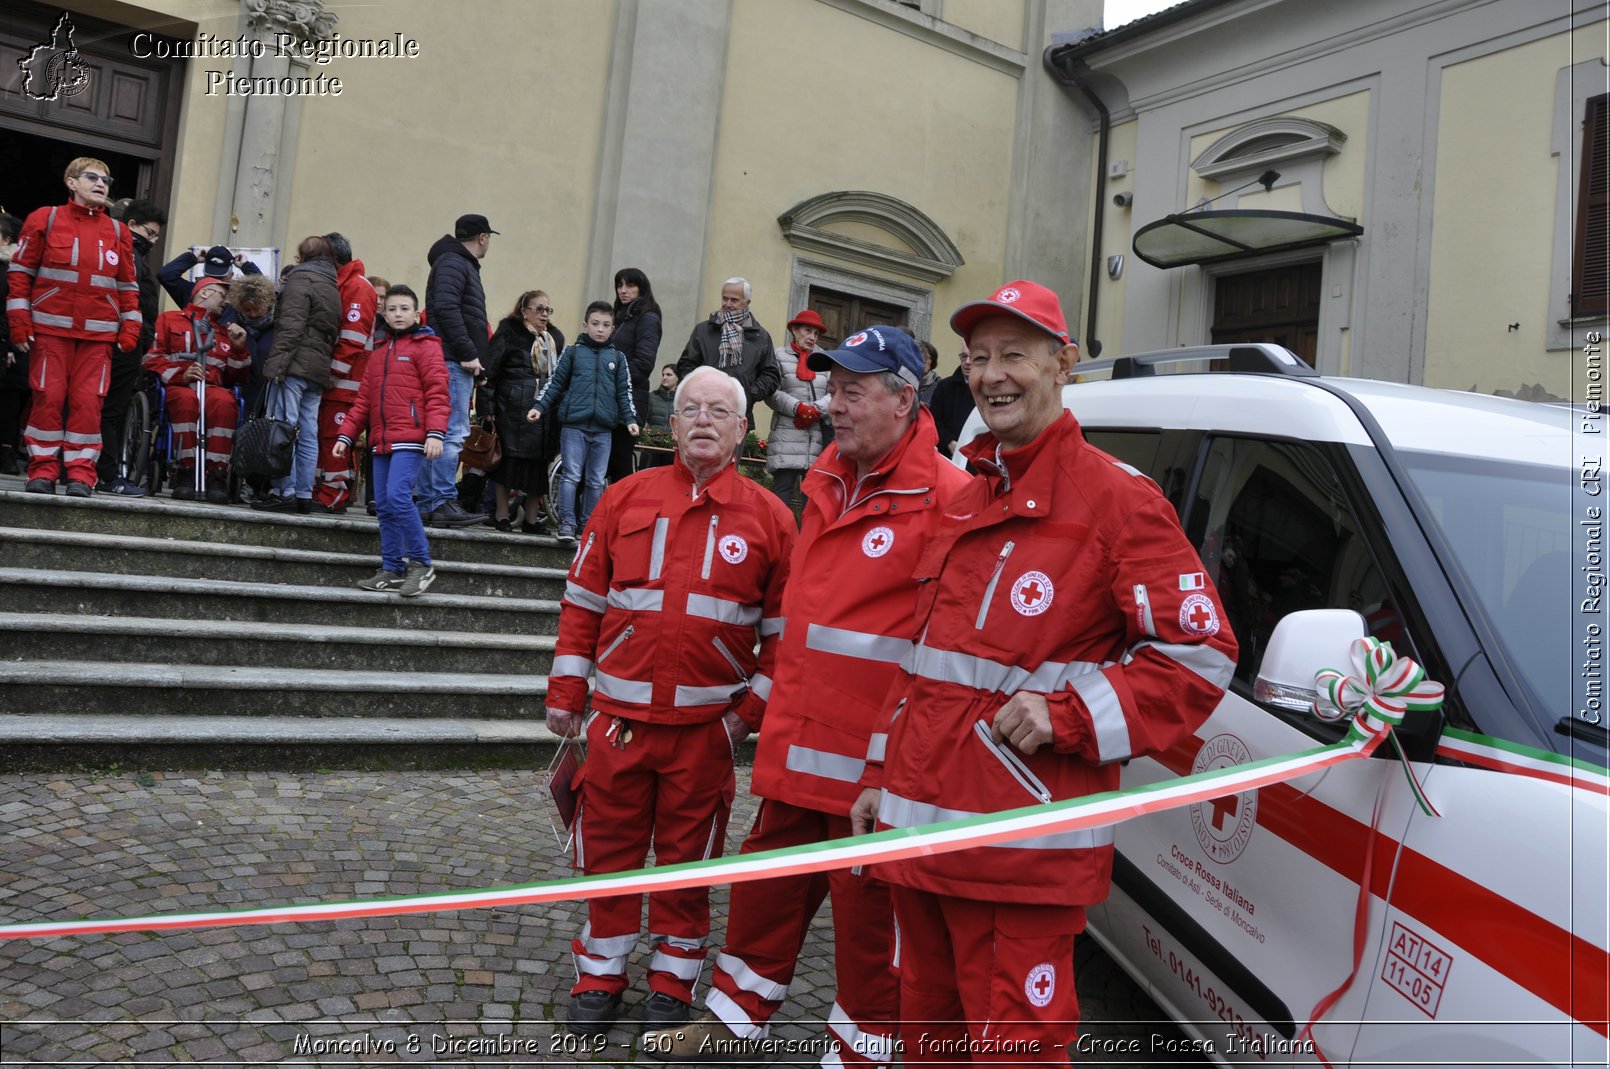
x,y
471,987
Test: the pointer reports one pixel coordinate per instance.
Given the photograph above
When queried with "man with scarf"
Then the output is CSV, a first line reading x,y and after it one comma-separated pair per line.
x,y
734,342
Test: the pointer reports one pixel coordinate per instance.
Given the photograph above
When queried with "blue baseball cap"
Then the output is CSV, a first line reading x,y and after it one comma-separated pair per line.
x,y
874,349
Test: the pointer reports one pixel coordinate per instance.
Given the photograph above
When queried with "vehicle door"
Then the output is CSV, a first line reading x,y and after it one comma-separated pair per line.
x,y
1240,911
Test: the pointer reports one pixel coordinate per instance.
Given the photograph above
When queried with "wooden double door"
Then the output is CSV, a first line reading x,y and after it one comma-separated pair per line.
x,y
1278,305
845,313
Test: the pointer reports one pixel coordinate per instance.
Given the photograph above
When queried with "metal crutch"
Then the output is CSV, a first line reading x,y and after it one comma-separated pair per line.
x,y
201,425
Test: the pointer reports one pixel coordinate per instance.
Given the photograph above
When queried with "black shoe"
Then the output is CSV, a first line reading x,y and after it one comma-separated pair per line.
x,y
40,486
10,461
592,1012
274,503
185,490
78,489
329,510
217,491
533,528
452,514
369,507
123,488
505,525
664,1011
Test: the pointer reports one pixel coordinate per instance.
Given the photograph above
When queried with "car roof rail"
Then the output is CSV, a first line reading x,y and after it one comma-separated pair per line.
x,y
1239,358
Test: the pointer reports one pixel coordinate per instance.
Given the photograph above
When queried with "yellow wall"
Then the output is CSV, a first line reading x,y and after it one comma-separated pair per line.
x,y
1494,218
1344,171
855,129
993,19
1117,235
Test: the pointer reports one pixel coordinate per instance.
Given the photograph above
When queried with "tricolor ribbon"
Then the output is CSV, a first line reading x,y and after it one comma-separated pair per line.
x,y
1382,691
992,829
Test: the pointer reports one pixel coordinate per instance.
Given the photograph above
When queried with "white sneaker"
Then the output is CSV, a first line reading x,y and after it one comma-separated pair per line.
x,y
417,580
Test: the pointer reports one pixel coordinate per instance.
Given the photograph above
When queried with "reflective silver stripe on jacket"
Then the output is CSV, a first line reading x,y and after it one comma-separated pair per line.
x,y
338,384
45,319
22,269
760,683
107,325
722,610
58,274
862,644
772,625
356,337
722,692
570,664
874,1048
105,282
1106,716
132,313
636,691
824,764
981,673
656,556
636,599
16,304
876,745
582,598
898,812
1207,662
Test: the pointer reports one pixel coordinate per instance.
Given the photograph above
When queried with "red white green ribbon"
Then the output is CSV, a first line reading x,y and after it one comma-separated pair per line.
x,y
993,829
1382,691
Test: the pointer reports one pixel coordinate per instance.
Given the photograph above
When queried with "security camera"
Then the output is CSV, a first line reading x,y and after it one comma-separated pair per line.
x,y
1123,200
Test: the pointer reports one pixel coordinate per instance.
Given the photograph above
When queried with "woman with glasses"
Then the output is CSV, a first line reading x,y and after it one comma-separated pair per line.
x,y
637,337
519,362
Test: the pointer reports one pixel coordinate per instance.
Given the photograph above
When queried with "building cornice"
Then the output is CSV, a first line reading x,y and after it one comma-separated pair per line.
x,y
936,32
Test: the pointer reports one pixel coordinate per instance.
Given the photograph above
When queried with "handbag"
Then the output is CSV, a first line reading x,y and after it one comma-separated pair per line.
x,y
265,446
482,450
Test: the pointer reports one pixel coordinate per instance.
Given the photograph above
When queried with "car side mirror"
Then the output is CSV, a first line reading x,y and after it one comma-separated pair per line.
x,y
1303,643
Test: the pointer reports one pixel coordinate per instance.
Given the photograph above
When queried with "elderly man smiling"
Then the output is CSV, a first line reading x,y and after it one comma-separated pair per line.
x,y
678,576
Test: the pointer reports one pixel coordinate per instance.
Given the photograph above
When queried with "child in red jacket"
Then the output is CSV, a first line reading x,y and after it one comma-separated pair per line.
x,y
190,348
404,405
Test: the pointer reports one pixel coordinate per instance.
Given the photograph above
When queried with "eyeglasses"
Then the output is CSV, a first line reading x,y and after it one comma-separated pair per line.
x,y
96,179
718,414
539,309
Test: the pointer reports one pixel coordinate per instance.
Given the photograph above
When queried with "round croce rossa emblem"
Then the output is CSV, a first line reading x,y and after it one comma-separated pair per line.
x,y
1223,826
1032,593
733,549
877,541
1041,983
1009,295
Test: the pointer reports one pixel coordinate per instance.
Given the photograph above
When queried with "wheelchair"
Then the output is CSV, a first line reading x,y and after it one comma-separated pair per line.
x,y
147,456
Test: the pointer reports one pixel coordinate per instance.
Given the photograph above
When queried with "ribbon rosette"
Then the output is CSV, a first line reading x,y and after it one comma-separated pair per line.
x,y
1382,690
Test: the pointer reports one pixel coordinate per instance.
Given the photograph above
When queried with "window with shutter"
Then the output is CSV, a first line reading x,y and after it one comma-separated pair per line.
x,y
1591,264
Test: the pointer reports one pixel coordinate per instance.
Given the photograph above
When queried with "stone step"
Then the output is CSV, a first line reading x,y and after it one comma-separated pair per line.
x,y
356,532
156,640
76,687
101,729
96,594
27,547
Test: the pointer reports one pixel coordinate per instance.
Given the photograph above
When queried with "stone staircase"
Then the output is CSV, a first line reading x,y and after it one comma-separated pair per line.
x,y
160,633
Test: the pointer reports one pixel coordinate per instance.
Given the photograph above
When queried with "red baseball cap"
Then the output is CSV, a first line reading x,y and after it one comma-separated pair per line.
x,y
1026,300
807,318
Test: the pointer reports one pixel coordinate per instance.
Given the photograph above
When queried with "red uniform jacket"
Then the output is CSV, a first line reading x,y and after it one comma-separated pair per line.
x,y
356,339
72,276
184,337
404,396
850,608
667,596
1066,575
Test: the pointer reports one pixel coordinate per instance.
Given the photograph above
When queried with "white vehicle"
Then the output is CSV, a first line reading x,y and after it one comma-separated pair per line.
x,y
1466,530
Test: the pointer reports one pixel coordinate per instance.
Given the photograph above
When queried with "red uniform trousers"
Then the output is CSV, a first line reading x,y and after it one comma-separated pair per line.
x,y
985,982
767,921
184,413
66,374
670,783
334,489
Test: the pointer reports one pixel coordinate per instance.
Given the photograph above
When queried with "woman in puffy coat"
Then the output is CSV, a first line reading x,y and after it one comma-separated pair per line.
x,y
799,406
306,321
637,338
519,361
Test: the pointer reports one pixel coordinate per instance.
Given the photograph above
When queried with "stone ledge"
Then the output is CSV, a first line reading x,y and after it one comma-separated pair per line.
x,y
241,678
270,730
270,632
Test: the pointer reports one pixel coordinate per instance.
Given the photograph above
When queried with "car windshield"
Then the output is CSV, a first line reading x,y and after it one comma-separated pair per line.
x,y
1509,526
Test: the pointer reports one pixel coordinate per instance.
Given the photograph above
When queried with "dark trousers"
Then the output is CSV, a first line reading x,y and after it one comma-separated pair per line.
x,y
115,413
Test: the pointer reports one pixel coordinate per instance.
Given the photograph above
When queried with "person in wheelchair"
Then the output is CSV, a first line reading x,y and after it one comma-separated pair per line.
x,y
194,352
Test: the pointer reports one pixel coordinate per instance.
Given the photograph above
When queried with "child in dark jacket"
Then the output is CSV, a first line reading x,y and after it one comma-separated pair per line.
x,y
591,394
404,405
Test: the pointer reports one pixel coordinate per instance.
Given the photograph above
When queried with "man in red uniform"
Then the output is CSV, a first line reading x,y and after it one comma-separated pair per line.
x,y
347,361
189,348
874,499
1066,626
72,294
679,574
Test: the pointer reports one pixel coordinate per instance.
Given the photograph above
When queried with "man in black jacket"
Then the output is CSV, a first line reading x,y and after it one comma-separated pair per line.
x,y
734,342
145,222
456,305
952,403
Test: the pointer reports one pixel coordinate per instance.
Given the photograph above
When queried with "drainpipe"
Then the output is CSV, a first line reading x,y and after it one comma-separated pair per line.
x,y
1068,77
